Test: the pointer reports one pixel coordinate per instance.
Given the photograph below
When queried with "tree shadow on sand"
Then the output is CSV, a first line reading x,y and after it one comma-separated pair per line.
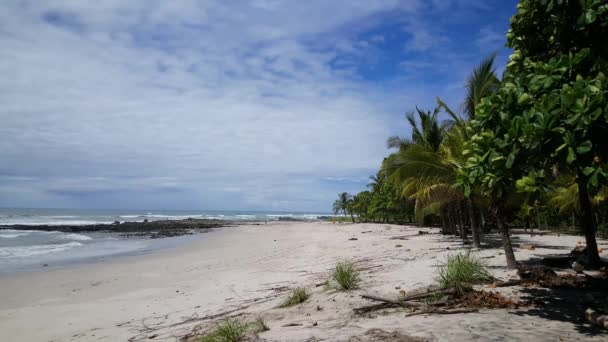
x,y
565,305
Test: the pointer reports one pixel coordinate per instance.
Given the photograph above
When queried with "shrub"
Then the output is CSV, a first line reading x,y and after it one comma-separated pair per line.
x,y
298,295
460,271
345,276
230,330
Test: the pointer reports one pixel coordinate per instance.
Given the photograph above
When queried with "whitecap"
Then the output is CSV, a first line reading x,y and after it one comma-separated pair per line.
x,y
11,236
77,237
25,251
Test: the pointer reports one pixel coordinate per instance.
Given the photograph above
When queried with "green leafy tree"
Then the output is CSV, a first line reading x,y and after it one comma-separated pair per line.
x,y
550,112
561,81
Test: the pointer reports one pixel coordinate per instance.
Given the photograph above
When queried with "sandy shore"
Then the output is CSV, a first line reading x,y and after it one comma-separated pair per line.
x,y
248,269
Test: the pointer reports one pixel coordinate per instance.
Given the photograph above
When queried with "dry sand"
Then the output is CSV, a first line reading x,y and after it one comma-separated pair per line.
x,y
246,270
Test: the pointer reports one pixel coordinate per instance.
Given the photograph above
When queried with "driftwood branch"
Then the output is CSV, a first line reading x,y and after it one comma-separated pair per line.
x,y
441,312
400,302
507,283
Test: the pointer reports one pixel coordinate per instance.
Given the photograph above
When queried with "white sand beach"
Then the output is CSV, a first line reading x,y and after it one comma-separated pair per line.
x,y
247,271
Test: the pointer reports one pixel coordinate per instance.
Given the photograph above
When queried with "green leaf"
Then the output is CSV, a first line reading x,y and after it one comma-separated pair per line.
x,y
467,190
561,147
523,99
584,148
590,16
588,170
571,155
510,160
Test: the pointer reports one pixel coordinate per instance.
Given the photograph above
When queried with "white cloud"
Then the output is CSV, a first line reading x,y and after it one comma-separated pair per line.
x,y
129,97
187,104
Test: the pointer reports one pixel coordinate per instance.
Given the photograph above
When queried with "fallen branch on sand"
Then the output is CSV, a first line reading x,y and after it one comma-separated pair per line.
x,y
398,302
512,282
401,301
441,312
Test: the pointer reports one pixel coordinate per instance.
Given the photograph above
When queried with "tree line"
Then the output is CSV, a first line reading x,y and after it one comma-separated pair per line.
x,y
525,149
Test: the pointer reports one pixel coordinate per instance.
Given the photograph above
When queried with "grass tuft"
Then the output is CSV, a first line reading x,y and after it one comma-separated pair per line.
x,y
260,325
230,330
345,276
298,295
461,271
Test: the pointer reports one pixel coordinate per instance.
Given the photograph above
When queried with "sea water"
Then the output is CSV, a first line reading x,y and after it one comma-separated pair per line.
x,y
32,249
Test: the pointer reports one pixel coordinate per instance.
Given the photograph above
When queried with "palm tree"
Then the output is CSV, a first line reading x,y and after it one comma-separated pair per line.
x,y
375,182
482,82
426,131
428,176
426,166
342,204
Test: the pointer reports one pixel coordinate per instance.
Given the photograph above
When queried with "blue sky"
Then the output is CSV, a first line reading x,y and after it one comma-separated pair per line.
x,y
244,105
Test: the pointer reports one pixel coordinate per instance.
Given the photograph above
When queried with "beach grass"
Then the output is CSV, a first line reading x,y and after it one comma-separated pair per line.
x,y
260,325
298,295
345,276
461,271
230,330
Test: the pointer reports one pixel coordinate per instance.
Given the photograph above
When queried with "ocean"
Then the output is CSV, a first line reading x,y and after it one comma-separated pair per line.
x,y
33,249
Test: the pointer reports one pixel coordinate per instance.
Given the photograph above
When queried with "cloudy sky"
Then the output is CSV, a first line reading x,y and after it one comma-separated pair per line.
x,y
214,104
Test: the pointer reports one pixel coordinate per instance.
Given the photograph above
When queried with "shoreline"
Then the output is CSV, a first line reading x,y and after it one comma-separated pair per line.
x,y
247,270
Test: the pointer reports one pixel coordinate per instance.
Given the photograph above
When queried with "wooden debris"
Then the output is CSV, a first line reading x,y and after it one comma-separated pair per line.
x,y
292,325
441,312
511,282
402,301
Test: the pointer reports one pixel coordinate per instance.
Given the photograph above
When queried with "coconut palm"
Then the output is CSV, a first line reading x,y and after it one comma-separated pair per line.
x,y
426,166
426,130
342,204
375,182
482,82
428,176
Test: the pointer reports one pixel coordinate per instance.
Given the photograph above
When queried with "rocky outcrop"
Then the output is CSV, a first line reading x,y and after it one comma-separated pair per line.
x,y
152,229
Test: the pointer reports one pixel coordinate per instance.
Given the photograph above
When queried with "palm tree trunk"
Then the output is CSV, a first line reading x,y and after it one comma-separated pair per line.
x,y
474,228
463,229
444,221
506,238
586,218
451,220
573,221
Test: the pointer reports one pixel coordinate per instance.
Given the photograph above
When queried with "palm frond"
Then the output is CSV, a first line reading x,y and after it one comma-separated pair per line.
x,y
481,83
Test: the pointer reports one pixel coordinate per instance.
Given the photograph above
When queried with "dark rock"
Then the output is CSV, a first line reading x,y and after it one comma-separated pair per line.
x,y
398,245
153,229
45,265
145,220
116,222
353,239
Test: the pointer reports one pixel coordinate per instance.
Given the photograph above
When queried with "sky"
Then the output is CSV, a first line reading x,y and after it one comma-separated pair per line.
x,y
222,105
